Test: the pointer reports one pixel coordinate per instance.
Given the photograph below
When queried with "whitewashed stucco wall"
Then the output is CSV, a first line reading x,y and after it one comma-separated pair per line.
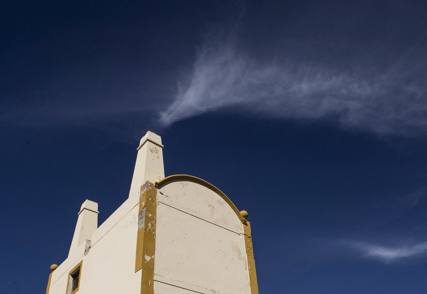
x,y
200,245
108,267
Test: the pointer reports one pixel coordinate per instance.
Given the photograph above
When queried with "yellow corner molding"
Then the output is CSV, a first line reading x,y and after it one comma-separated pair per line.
x,y
53,267
251,258
145,246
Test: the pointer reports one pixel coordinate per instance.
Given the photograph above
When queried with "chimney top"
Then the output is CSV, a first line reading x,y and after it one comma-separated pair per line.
x,y
152,137
89,205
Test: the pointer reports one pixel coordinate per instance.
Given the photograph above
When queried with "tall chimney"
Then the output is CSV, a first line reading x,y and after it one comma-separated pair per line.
x,y
87,223
149,163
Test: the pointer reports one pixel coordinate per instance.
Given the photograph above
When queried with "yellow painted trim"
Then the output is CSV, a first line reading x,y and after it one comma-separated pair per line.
x,y
53,267
48,283
79,265
140,232
190,178
251,258
146,238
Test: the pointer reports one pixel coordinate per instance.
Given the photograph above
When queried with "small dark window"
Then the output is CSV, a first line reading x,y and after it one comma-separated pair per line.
x,y
74,280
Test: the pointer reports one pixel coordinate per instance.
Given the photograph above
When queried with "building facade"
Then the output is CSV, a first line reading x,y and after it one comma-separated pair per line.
x,y
173,235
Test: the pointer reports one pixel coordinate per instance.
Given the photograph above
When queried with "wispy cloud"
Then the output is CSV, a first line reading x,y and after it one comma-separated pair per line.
x,y
390,101
389,254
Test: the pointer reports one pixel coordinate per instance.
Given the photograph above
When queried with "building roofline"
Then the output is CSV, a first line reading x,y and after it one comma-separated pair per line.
x,y
200,181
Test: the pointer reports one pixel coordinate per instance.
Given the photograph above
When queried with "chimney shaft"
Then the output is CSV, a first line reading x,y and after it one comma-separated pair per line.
x,y
149,163
87,223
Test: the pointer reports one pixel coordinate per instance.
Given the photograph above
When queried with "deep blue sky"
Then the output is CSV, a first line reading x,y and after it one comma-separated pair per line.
x,y
312,115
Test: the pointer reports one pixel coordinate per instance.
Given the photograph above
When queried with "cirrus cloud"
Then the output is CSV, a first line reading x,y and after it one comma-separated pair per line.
x,y
389,254
383,102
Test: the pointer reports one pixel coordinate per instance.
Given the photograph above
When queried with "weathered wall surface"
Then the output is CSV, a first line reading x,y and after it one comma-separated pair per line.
x,y
108,267
200,245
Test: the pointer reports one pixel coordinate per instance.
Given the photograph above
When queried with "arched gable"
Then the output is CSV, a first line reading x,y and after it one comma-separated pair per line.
x,y
200,181
200,239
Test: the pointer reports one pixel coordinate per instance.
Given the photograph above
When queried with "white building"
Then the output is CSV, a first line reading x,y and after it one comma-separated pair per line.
x,y
173,235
